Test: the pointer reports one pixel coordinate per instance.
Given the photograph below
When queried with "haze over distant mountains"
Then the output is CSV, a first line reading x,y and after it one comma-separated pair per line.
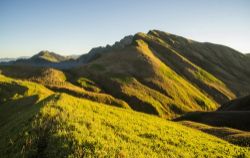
x,y
11,59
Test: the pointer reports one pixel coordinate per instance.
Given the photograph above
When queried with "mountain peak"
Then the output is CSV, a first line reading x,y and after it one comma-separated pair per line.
x,y
48,56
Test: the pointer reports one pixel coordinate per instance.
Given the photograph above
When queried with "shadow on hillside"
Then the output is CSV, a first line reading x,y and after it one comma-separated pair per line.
x,y
10,90
12,108
237,137
17,131
234,119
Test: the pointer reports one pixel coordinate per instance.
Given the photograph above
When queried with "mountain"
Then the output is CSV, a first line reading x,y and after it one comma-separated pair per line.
x,y
46,59
173,75
224,63
135,75
48,56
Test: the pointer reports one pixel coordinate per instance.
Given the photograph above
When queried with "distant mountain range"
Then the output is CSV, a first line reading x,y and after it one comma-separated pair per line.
x,y
5,60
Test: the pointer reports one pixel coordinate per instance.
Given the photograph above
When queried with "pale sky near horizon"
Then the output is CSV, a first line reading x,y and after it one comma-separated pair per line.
x,y
75,26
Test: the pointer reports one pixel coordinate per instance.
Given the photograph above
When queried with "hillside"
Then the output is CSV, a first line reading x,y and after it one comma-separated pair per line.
x,y
233,119
135,75
60,81
240,104
234,136
227,64
234,114
47,128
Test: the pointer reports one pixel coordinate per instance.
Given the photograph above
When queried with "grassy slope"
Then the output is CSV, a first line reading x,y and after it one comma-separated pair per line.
x,y
12,89
19,95
233,119
18,100
137,76
69,127
233,136
184,67
226,64
234,114
58,81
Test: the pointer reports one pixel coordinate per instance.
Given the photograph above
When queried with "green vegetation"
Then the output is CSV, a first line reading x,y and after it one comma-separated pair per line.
x,y
57,81
226,64
88,84
11,89
138,77
163,44
69,127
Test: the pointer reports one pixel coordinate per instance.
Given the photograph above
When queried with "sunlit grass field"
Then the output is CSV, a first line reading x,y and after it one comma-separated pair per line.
x,y
65,126
38,122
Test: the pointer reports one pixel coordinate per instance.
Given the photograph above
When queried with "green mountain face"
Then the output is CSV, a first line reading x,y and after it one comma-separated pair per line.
x,y
137,76
223,62
118,100
166,75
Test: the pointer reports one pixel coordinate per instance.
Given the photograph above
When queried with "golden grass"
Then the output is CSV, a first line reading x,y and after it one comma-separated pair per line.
x,y
66,126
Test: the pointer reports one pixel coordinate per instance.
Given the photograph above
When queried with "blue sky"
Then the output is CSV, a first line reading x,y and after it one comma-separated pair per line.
x,y
75,26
